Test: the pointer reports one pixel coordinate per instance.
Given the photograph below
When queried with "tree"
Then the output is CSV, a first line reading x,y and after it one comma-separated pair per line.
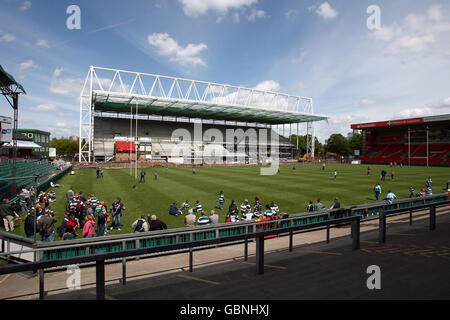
x,y
355,142
64,146
337,143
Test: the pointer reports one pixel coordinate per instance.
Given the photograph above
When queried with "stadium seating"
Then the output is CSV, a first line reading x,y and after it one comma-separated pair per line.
x,y
438,154
22,169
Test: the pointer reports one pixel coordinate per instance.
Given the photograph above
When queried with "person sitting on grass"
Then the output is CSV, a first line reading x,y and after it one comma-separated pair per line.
x,y
198,207
185,205
174,211
390,197
319,206
190,218
411,192
140,225
310,207
274,207
203,220
155,224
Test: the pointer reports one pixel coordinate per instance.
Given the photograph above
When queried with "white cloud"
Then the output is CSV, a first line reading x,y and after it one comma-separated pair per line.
x,y
236,17
61,125
268,85
65,86
288,14
8,37
326,11
42,43
366,101
25,6
417,33
169,47
257,14
27,65
44,108
219,19
194,8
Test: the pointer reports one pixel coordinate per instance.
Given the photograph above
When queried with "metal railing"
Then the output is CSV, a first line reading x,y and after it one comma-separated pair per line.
x,y
81,251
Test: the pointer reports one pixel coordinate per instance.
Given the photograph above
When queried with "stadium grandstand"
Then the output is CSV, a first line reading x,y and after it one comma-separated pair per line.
x,y
416,141
126,116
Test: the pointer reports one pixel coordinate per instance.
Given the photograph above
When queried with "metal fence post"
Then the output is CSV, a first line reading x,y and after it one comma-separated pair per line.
x,y
356,233
382,228
328,233
291,240
432,217
410,217
41,278
246,249
100,279
260,255
191,260
124,266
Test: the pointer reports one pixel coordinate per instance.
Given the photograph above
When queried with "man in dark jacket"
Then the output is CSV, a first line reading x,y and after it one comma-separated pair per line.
x,y
174,211
155,224
30,220
46,227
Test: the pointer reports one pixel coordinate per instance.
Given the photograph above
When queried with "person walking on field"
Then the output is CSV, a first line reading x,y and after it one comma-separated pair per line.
x,y
221,200
377,190
335,174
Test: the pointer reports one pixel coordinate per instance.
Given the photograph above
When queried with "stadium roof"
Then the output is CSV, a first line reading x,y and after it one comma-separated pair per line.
x,y
8,84
119,91
401,122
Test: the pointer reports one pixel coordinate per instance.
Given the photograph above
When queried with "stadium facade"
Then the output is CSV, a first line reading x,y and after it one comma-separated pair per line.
x,y
418,141
126,116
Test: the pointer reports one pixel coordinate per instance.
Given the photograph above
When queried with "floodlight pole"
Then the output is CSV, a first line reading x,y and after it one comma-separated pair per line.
x,y
15,98
427,146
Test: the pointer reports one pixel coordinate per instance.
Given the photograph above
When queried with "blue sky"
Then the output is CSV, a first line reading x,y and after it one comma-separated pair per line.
x,y
318,49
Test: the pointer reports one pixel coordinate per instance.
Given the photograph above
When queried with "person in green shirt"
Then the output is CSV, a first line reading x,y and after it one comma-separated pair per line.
x,y
377,190
318,206
203,220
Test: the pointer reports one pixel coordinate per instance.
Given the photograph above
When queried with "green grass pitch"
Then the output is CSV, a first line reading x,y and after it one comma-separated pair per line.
x,y
290,190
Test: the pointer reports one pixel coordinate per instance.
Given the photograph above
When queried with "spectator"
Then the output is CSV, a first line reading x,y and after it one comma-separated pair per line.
x,y
51,195
88,229
232,215
268,213
390,197
69,195
368,171
318,206
23,202
156,175
377,190
203,220
30,221
411,192
185,205
116,211
55,185
428,191
213,217
336,204
243,208
198,207
101,214
392,175
335,174
257,204
232,205
428,182
69,234
155,224
62,228
7,214
383,175
221,200
447,187
421,193
46,227
274,207
174,211
310,207
323,166
140,225
189,220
